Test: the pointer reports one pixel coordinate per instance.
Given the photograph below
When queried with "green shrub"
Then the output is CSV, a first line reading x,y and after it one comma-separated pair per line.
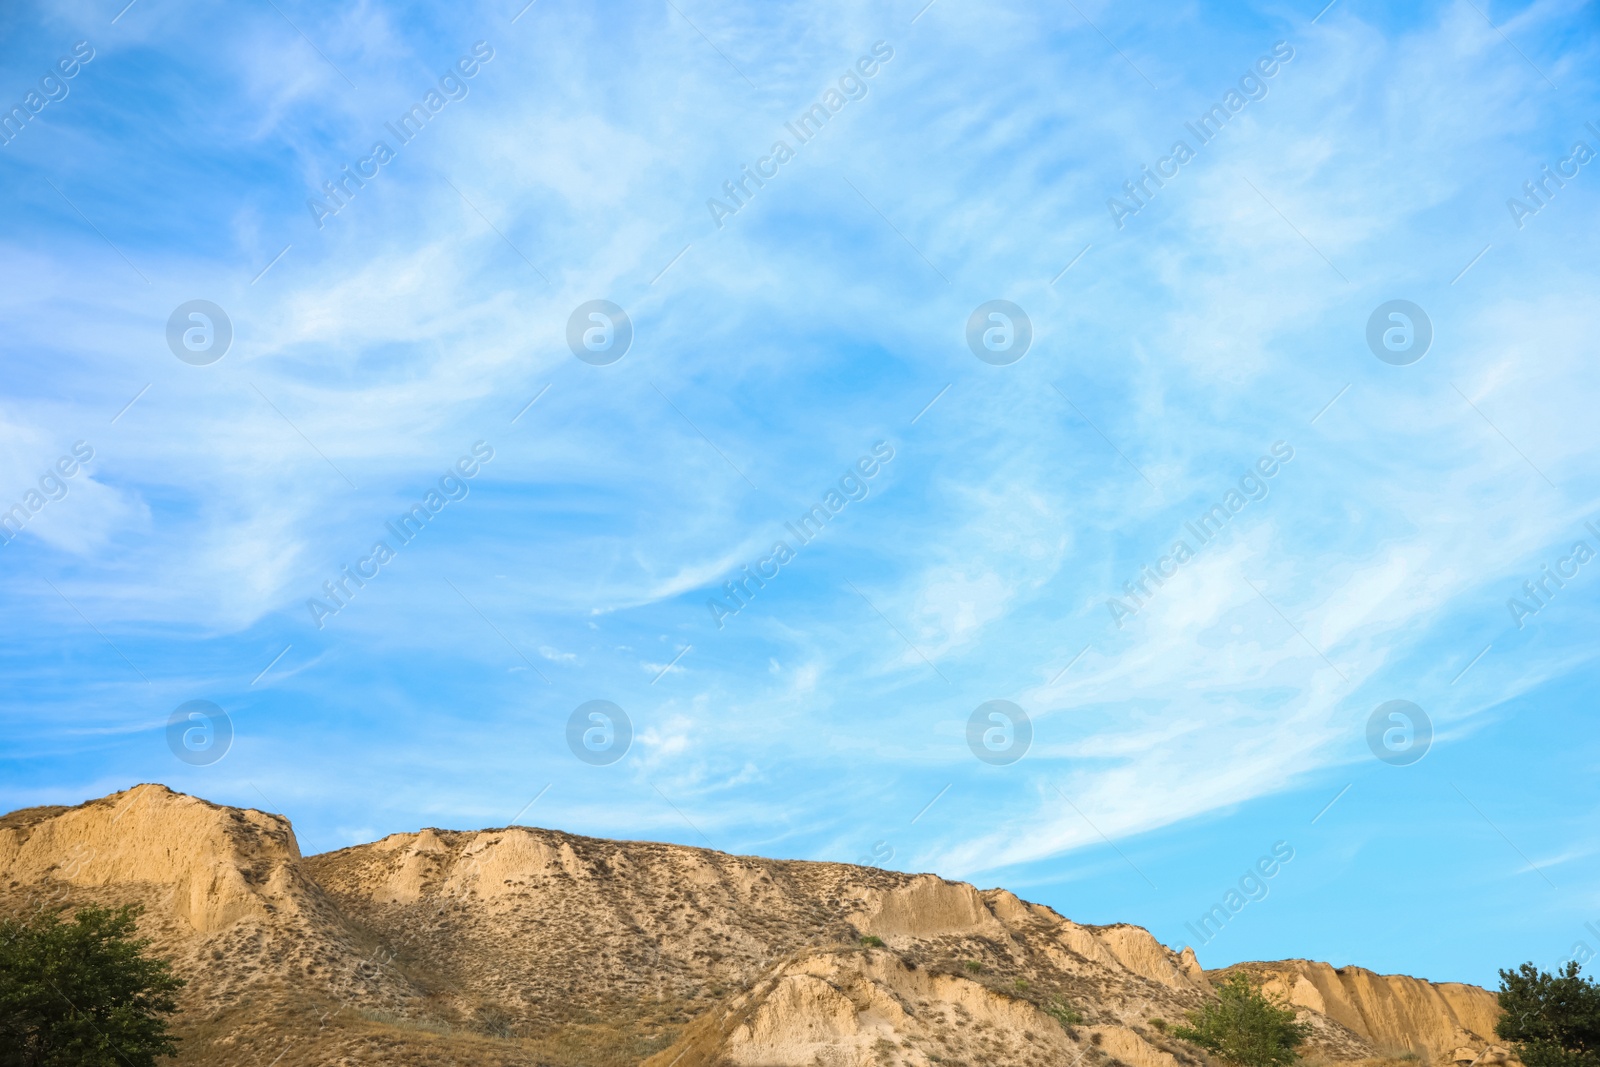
x,y
872,942
1063,1013
83,994
1552,1020
974,966
1244,1027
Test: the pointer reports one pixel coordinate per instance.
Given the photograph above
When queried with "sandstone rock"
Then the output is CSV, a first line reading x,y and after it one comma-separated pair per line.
x,y
927,906
1393,1014
432,947
1139,952
217,865
1130,1048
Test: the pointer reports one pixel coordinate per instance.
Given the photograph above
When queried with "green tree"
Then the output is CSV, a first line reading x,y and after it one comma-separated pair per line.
x,y
1552,1020
83,993
1244,1027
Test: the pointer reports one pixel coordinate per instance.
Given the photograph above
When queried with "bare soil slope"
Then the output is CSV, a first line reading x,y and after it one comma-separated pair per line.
x,y
1389,1012
534,947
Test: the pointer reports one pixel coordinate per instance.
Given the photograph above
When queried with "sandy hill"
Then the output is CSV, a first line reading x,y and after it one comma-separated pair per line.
x,y
534,947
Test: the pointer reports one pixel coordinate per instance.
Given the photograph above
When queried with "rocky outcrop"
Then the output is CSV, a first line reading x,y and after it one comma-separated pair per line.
x,y
224,890
1139,952
528,946
217,864
1392,1014
873,1007
925,906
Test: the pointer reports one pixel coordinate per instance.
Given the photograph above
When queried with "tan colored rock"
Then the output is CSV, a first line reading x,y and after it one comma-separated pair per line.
x,y
1394,1014
927,906
1141,953
1132,1049
1082,940
430,947
858,1008
216,865
799,1017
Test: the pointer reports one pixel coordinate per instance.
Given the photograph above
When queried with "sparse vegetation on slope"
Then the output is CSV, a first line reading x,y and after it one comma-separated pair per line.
x,y
523,947
1244,1027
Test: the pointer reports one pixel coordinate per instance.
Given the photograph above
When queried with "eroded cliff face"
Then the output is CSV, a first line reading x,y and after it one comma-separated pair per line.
x,y
548,925
530,946
876,1006
216,865
224,891
1392,1013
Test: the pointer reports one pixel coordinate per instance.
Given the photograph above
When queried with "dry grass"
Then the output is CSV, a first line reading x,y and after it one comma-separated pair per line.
x,y
565,951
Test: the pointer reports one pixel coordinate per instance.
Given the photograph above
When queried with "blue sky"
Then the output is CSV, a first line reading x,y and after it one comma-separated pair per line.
x,y
1221,325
